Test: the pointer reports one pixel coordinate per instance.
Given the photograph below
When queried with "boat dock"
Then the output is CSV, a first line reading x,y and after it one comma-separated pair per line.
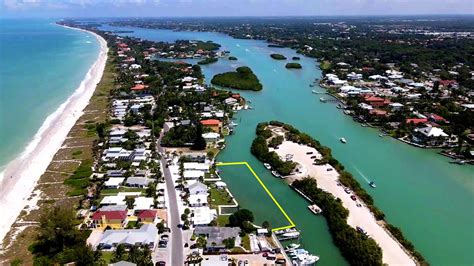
x,y
301,193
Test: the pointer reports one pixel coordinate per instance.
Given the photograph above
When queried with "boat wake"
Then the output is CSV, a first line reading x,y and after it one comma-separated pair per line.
x,y
362,175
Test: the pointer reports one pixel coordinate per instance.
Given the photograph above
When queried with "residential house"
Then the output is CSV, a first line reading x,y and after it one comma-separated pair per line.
x,y
213,124
114,219
215,236
147,216
430,135
140,182
114,182
376,102
146,235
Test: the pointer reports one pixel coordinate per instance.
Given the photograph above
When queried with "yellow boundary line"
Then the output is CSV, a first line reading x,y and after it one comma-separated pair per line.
x,y
266,190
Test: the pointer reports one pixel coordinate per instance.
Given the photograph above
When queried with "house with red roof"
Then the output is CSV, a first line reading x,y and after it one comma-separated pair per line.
x,y
139,87
376,101
115,219
214,124
436,118
147,216
448,83
416,121
378,112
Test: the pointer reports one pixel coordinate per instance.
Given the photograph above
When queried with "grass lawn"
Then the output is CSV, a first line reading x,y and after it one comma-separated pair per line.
x,y
325,65
222,220
219,197
246,242
107,256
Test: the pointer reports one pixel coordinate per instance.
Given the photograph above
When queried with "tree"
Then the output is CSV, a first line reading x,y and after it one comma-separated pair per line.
x,y
129,201
242,218
150,191
161,227
119,253
229,242
199,141
140,255
201,242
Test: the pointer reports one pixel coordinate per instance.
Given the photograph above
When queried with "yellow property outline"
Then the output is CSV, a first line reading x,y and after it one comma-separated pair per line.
x,y
266,189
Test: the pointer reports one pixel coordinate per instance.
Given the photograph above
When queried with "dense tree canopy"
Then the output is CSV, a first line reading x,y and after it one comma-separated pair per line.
x,y
243,79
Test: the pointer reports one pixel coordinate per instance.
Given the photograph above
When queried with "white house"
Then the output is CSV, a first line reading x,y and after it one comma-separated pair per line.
x,y
114,182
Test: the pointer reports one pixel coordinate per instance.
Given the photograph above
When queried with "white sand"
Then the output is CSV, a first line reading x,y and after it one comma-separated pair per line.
x,y
21,175
393,253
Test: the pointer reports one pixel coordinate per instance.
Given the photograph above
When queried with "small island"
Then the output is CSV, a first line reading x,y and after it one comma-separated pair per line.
x,y
242,79
296,58
293,65
233,58
278,56
208,60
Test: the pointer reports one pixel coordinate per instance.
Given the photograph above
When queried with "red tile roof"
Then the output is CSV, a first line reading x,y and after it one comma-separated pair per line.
x,y
109,215
147,214
211,122
416,121
139,87
447,82
374,99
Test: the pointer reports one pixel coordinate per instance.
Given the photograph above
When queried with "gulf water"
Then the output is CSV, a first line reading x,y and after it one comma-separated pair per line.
x,y
431,200
41,65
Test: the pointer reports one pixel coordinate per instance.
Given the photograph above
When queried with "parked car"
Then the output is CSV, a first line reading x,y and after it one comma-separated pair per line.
x,y
353,198
163,244
160,263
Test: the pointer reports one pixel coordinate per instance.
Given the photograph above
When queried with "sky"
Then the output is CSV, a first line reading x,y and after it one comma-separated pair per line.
x,y
208,8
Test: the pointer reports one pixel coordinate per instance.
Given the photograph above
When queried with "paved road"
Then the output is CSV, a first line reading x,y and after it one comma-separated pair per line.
x,y
176,240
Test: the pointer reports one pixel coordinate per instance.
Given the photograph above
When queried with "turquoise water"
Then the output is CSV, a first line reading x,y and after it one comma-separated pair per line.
x,y
41,65
431,200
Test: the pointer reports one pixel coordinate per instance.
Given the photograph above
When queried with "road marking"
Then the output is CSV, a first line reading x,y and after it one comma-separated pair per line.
x,y
292,224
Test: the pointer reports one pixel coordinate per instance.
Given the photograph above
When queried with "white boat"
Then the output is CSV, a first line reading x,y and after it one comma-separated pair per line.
x,y
233,124
313,91
343,140
276,174
372,184
268,166
302,257
315,209
291,235
322,99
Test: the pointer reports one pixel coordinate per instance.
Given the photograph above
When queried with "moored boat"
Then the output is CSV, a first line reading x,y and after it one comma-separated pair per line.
x,y
372,184
315,209
343,140
268,166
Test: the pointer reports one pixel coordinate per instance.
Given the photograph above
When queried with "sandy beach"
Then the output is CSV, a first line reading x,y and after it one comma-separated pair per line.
x,y
393,253
20,176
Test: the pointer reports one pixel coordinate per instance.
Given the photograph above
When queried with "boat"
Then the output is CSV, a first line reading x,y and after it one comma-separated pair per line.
x,y
372,184
233,124
268,166
343,140
302,257
313,91
291,235
291,247
315,209
322,99
459,161
276,174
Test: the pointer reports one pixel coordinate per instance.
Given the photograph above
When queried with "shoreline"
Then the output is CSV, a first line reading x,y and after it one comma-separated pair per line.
x,y
20,176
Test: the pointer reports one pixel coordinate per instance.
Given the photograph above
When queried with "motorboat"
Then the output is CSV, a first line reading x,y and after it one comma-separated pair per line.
x,y
276,174
343,140
372,184
315,209
268,166
314,91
